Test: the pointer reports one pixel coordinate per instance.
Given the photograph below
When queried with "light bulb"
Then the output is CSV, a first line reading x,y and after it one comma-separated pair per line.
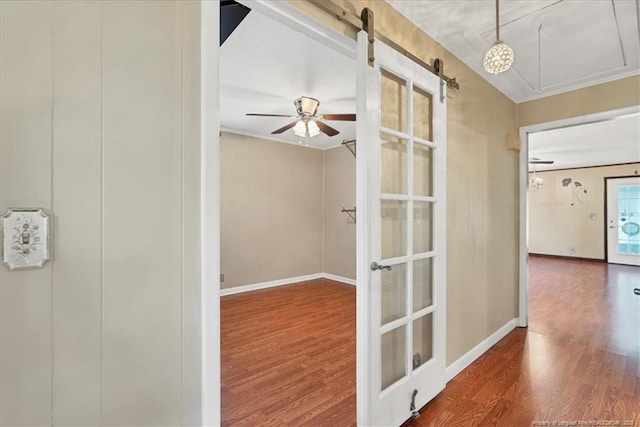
x,y
314,130
300,129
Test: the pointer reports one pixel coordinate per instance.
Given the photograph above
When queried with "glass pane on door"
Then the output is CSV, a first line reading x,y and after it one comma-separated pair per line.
x,y
422,284
394,164
422,230
629,219
422,340
394,356
422,114
422,170
394,228
393,102
394,292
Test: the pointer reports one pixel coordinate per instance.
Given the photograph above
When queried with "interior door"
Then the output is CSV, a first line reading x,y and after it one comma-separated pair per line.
x,y
623,220
401,154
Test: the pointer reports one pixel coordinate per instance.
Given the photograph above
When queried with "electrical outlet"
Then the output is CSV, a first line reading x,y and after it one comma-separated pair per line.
x,y
221,278
572,251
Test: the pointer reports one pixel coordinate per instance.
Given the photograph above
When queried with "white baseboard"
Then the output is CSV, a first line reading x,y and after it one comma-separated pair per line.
x,y
282,282
456,367
339,278
270,284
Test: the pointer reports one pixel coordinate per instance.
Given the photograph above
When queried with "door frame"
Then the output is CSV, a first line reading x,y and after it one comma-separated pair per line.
x,y
298,20
606,212
523,226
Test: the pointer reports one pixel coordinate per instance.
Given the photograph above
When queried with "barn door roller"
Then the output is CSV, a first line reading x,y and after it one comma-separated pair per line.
x,y
366,22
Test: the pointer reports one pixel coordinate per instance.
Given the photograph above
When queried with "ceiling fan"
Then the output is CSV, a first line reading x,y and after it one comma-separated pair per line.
x,y
537,161
308,123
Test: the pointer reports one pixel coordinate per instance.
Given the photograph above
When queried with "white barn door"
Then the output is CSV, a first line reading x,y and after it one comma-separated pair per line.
x,y
401,301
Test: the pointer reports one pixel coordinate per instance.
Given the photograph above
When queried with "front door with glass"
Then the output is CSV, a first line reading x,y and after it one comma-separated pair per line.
x,y
623,220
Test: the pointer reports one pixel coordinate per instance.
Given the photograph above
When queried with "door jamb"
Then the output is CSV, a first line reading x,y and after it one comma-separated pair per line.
x,y
298,20
523,231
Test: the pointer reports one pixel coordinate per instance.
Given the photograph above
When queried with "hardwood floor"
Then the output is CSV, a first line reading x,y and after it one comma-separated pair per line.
x,y
293,363
288,356
577,361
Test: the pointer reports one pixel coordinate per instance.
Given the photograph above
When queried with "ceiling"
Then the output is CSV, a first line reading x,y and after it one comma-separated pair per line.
x,y
600,143
581,42
265,65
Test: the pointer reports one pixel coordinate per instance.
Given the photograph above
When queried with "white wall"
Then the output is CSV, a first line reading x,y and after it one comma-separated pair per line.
x,y
97,108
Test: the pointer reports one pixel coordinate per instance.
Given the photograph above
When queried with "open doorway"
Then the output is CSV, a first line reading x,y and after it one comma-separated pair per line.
x,y
288,232
565,166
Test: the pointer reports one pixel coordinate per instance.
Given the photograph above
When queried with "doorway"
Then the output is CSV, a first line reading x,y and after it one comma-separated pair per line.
x,y
408,219
579,188
287,240
623,220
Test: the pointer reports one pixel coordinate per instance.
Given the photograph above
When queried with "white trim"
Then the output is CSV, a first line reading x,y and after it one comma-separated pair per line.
x,y
364,162
269,284
210,212
340,279
523,232
468,358
282,282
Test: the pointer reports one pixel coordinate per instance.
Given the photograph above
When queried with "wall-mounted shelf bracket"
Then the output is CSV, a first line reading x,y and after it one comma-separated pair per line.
x,y
351,146
350,212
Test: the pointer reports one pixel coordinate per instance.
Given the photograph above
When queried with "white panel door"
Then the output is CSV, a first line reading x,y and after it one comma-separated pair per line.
x,y
623,220
401,154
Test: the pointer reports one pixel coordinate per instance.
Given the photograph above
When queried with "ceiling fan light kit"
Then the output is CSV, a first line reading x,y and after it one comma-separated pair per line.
x,y
308,124
500,56
307,128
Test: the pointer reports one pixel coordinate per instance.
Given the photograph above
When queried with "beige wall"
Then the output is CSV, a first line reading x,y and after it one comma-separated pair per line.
x,y
339,228
99,107
281,211
482,187
270,211
559,222
594,99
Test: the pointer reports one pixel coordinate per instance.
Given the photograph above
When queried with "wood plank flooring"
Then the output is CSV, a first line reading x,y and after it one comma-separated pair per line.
x,y
288,356
577,361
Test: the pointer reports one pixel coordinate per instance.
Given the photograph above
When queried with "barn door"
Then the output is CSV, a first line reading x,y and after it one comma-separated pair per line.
x,y
401,154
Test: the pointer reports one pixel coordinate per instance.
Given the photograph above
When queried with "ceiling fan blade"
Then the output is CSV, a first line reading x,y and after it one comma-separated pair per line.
x,y
327,129
283,128
541,162
269,115
341,117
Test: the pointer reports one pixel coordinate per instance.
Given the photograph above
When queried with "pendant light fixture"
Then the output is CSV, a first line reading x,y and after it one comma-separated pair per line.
x,y
500,57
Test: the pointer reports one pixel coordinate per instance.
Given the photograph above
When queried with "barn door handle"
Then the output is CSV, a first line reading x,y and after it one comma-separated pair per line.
x,y
375,266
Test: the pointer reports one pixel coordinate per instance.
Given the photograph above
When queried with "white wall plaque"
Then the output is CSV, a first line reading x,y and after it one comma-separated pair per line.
x,y
25,242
